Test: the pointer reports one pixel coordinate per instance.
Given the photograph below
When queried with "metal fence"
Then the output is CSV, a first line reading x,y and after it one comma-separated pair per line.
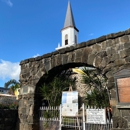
x,y
72,122
108,125
98,126
51,119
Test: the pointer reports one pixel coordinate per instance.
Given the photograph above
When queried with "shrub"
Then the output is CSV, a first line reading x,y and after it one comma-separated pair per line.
x,y
9,106
8,102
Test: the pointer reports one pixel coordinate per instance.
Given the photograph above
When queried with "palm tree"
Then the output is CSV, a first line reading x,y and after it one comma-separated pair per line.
x,y
10,83
13,85
98,95
52,91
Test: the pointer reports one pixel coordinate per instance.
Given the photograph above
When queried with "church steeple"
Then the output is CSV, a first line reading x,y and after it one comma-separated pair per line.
x,y
69,21
69,31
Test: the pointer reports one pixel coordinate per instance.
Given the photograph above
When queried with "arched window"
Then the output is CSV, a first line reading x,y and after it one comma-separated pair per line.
x,y
75,39
66,39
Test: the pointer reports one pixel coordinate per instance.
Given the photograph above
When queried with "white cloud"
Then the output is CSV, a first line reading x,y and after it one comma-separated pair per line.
x,y
8,2
36,55
9,70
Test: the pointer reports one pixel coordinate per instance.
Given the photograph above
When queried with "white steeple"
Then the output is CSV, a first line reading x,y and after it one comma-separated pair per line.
x,y
69,32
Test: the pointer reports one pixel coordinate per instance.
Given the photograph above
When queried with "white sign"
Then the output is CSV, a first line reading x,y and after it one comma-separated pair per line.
x,y
96,116
69,103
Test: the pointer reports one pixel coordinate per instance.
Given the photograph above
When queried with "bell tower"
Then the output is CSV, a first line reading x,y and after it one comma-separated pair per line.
x,y
69,31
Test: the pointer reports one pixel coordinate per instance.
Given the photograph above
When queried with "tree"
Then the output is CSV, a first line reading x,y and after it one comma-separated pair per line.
x,y
13,85
97,83
10,83
52,91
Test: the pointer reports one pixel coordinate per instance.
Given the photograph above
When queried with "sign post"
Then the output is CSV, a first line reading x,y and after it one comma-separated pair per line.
x,y
69,106
96,116
69,103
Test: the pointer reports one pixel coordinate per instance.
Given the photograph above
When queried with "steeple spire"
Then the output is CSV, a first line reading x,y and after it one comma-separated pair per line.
x,y
69,20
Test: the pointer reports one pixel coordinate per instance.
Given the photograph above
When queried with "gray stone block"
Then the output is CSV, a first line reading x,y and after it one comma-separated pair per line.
x,y
119,122
91,59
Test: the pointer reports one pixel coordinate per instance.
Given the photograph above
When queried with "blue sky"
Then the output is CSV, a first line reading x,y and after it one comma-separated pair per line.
x,y
29,28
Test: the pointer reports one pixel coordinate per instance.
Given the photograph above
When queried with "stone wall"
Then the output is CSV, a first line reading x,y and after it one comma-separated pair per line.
x,y
8,119
121,119
29,112
7,99
109,53
80,87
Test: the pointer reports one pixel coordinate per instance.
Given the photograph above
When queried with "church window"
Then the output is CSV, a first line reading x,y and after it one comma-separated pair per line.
x,y
66,39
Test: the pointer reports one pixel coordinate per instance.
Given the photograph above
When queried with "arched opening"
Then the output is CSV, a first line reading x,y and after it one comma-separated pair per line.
x,y
67,70
66,39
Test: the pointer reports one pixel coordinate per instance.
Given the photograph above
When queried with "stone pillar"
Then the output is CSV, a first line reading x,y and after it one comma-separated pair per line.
x,y
28,112
121,119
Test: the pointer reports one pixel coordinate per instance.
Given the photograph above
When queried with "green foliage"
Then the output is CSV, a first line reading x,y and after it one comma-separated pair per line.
x,y
93,78
9,106
13,88
13,85
10,83
96,82
52,91
49,114
97,98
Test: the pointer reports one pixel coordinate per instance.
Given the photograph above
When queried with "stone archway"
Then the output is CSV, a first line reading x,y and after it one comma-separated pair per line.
x,y
109,53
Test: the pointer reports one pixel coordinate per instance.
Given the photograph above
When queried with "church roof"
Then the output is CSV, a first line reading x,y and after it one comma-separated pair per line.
x,y
69,21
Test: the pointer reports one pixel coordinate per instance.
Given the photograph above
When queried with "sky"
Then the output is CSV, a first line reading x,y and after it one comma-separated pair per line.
x,y
30,28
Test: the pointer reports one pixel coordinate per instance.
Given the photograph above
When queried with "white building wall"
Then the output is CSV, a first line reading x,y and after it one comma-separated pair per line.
x,y
71,32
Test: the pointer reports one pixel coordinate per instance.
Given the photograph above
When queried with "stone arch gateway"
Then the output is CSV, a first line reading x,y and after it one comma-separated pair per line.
x,y
109,53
